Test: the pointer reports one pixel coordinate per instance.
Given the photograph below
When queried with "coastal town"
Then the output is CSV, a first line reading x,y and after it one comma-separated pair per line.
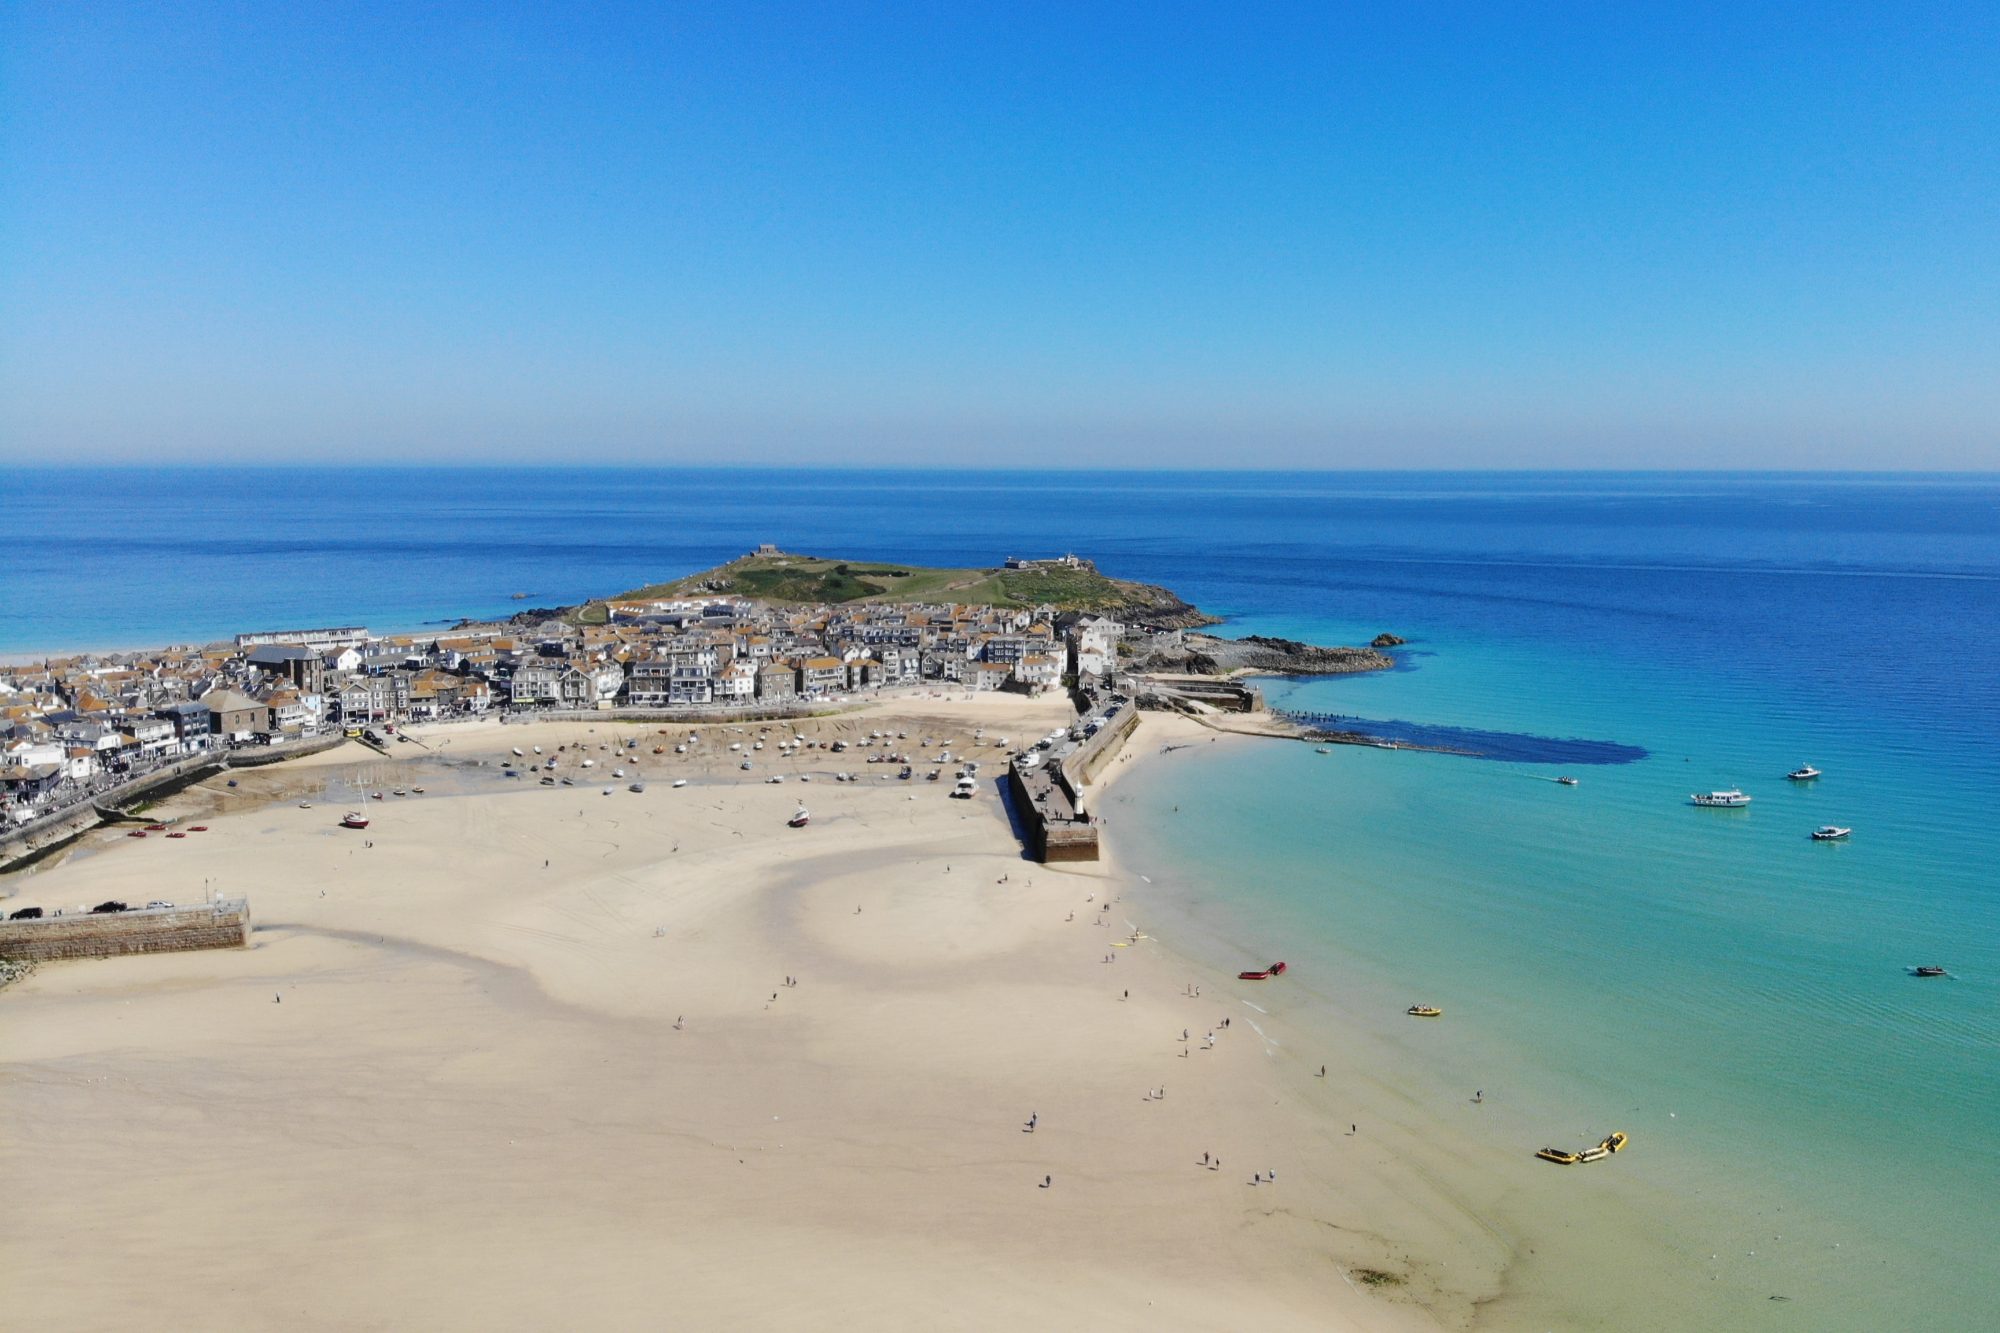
x,y
79,727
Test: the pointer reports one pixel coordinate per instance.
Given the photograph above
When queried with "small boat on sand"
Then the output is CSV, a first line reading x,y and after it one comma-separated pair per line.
x,y
1564,1157
375,796
305,805
1424,1011
680,782
800,818
1928,972
1274,970
1730,798
1830,833
1803,773
517,751
354,819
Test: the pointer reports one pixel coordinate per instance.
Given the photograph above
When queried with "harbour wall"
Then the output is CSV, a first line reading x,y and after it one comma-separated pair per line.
x,y
1050,797
218,925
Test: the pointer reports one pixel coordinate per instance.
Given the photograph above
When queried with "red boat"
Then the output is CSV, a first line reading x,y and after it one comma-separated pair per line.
x,y
1274,970
355,819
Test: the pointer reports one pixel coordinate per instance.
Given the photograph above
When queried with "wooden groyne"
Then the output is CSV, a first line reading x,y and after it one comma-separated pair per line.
x,y
80,933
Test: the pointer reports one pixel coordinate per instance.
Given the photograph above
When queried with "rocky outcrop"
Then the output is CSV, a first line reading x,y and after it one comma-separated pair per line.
x,y
1387,641
1205,655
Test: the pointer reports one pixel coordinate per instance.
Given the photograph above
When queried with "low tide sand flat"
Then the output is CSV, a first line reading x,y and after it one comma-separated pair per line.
x,y
524,1058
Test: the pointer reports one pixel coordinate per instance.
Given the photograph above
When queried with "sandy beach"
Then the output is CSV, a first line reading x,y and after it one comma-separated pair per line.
x,y
525,1057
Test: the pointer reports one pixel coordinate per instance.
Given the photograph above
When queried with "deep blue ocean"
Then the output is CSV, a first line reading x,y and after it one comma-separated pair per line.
x,y
1816,1133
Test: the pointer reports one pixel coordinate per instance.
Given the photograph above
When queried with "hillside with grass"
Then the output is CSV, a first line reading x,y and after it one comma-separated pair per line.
x,y
787,579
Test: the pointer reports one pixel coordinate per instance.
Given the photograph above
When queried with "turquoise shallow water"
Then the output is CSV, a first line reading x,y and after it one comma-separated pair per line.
x,y
1808,1121
1728,991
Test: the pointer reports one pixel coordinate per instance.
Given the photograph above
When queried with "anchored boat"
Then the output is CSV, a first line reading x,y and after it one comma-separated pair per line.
x,y
1830,833
1729,798
1424,1011
1803,773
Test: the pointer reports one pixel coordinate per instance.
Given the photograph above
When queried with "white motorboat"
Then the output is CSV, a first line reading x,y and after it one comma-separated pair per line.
x,y
517,751
609,790
746,765
1803,773
1730,798
1830,833
680,782
800,818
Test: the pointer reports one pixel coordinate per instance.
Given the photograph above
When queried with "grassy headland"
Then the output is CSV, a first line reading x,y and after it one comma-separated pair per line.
x,y
788,579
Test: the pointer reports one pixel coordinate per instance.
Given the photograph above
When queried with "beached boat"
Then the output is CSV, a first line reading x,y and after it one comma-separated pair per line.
x,y
305,805
680,782
399,792
1928,972
517,750
1559,1156
136,833
637,786
1803,773
1830,833
746,765
1424,1011
800,818
418,790
1274,970
375,796
354,819
1729,798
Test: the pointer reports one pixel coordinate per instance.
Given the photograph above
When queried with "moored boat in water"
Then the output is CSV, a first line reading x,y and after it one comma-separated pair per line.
x,y
1803,773
1424,1011
1830,833
1730,798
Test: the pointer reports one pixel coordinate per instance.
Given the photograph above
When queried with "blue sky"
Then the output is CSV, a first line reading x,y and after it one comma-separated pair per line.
x,y
1229,234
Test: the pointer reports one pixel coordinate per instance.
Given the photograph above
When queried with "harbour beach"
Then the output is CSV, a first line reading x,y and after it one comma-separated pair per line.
x,y
511,1030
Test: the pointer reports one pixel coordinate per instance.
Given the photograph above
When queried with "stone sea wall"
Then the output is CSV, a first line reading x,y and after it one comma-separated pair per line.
x,y
218,925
